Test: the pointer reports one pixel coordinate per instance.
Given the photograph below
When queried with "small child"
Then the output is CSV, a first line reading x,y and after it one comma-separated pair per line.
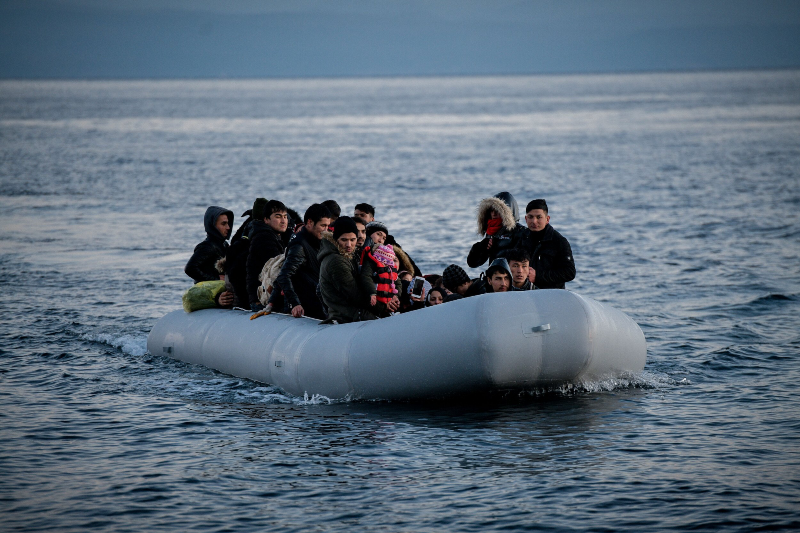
x,y
378,276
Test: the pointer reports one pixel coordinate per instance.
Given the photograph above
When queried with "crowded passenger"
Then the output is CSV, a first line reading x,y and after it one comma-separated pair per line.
x,y
436,296
270,221
365,212
361,227
518,263
498,223
338,280
498,276
335,210
551,261
378,273
234,266
299,275
456,280
202,266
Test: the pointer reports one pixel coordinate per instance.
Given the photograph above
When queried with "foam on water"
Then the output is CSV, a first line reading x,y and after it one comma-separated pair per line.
x,y
129,344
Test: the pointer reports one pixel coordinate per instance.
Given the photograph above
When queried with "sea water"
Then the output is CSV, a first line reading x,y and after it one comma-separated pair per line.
x,y
679,193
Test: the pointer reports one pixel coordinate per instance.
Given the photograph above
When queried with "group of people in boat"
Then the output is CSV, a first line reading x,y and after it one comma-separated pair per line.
x,y
343,269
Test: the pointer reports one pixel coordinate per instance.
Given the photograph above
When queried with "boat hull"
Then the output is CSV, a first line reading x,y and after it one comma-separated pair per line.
x,y
517,340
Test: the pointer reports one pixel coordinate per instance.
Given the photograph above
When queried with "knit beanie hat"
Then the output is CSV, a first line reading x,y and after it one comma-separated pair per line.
x,y
385,254
374,226
453,276
258,208
344,225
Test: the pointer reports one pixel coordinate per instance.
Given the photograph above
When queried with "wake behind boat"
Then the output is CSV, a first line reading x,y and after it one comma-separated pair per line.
x,y
506,341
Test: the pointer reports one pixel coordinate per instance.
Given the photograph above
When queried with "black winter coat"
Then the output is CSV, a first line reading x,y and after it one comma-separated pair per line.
x,y
551,257
299,275
502,240
265,243
202,265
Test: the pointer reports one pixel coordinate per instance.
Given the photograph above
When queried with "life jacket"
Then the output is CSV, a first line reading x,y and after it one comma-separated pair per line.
x,y
384,275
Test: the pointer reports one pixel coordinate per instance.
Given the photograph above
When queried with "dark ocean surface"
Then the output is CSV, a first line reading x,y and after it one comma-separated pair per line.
x,y
680,195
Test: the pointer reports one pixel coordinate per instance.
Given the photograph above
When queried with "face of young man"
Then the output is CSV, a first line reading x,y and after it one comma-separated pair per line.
x,y
278,221
378,237
362,234
317,228
362,215
223,226
500,282
519,272
536,219
347,242
494,214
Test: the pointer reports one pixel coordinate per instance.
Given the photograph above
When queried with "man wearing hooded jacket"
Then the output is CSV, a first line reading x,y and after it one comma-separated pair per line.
x,y
202,266
498,223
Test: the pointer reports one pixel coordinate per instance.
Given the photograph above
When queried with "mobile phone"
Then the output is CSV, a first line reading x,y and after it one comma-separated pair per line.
x,y
416,290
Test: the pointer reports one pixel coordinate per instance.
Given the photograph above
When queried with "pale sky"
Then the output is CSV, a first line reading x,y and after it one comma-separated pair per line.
x,y
300,38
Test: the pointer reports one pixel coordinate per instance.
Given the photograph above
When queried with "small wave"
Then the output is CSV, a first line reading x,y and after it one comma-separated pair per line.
x,y
129,344
642,380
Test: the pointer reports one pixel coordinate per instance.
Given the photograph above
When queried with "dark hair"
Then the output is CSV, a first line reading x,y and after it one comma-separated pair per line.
x,y
359,220
315,213
436,289
539,203
365,208
515,254
274,206
434,279
333,207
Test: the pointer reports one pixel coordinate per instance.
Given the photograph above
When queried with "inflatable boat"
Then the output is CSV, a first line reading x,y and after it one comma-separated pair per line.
x,y
506,341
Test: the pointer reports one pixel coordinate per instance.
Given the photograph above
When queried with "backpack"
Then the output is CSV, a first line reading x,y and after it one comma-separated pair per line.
x,y
267,277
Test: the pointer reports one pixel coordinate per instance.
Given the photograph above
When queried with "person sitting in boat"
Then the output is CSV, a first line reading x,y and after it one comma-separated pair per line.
x,y
296,284
202,266
378,233
552,264
365,212
361,226
336,211
436,296
498,223
498,276
378,274
270,221
518,263
338,277
456,280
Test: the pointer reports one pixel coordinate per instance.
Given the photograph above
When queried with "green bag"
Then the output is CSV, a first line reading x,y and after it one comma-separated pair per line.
x,y
203,295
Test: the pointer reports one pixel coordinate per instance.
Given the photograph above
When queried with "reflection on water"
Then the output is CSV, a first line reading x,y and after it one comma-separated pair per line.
x,y
678,193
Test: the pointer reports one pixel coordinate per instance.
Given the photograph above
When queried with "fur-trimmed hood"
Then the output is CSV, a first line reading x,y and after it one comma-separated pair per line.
x,y
488,205
328,246
403,261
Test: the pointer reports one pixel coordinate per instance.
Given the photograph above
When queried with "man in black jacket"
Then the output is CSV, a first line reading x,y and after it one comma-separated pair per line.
x,y
299,276
270,220
552,264
202,264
